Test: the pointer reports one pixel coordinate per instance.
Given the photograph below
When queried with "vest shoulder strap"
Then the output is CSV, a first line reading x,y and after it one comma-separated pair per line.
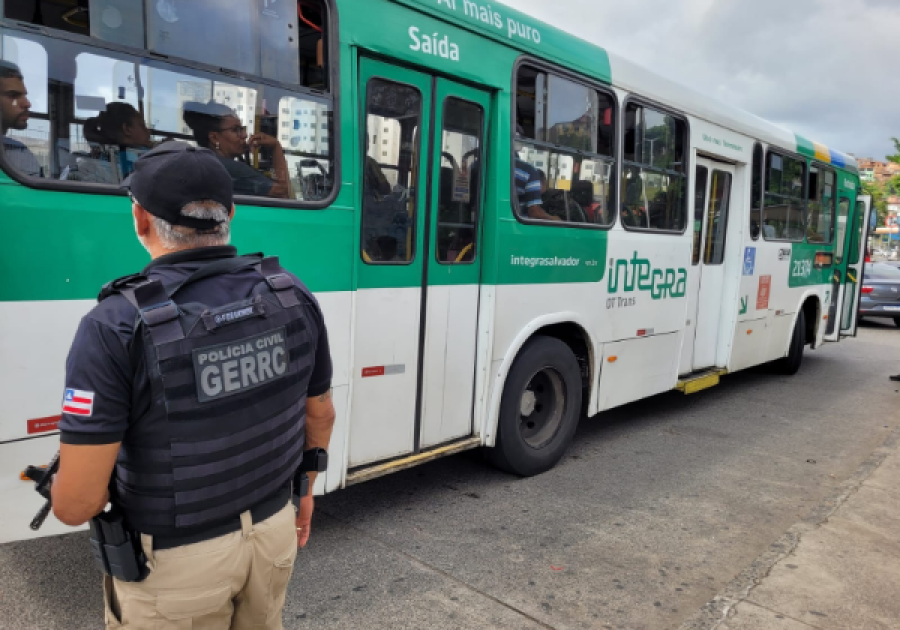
x,y
279,281
156,309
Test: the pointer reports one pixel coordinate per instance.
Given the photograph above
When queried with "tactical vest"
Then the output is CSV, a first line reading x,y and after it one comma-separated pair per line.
x,y
230,382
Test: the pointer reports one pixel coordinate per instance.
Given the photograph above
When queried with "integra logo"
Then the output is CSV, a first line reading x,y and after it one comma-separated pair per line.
x,y
639,274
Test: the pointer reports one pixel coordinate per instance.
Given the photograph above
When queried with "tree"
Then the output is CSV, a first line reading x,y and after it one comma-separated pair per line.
x,y
879,200
896,157
892,186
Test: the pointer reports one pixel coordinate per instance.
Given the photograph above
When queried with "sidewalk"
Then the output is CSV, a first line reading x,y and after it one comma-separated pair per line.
x,y
838,568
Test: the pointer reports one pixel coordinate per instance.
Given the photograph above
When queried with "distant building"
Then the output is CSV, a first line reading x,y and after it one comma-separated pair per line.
x,y
303,126
577,134
384,145
873,171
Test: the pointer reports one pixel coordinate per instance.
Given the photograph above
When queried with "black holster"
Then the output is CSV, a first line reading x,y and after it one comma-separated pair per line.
x,y
314,460
117,550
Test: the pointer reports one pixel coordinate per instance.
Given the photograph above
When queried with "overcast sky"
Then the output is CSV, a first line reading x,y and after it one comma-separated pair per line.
x,y
826,69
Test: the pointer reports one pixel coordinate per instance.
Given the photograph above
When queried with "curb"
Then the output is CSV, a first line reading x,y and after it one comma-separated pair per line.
x,y
720,607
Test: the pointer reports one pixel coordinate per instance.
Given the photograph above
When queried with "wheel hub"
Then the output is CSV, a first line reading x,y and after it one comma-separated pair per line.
x,y
541,407
529,401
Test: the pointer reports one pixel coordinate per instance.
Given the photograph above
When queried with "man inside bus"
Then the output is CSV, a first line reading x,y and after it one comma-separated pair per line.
x,y
218,128
528,187
528,190
14,113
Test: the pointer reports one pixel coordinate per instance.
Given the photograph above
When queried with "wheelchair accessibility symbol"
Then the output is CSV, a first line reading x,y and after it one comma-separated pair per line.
x,y
749,261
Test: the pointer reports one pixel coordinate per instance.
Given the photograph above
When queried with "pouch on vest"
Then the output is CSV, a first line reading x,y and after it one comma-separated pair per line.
x,y
231,383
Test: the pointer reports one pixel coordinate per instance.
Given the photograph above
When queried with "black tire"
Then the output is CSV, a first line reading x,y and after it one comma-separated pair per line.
x,y
790,364
539,410
897,322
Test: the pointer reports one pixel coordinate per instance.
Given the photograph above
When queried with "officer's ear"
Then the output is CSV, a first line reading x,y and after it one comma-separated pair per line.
x,y
233,210
142,220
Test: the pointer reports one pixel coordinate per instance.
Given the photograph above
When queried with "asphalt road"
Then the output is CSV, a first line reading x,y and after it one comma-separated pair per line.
x,y
654,509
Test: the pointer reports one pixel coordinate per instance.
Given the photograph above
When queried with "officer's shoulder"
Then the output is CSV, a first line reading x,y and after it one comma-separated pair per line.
x,y
115,287
303,291
299,284
112,309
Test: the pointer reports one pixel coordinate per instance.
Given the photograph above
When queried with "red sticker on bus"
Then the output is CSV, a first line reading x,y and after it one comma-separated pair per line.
x,y
373,371
43,425
765,289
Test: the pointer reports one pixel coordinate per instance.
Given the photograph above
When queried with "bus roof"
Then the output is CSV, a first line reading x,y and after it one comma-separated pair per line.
x,y
517,30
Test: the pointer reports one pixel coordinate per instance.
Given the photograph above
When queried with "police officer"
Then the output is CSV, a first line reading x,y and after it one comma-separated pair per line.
x,y
192,391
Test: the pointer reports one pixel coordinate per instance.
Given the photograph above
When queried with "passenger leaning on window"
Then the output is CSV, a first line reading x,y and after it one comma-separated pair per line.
x,y
118,136
120,124
218,128
14,113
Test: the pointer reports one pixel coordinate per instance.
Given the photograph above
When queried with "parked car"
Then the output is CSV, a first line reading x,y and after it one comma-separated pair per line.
x,y
881,291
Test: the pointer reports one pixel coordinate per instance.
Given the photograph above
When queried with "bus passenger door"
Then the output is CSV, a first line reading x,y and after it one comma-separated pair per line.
x,y
393,137
453,263
838,295
712,268
419,268
859,235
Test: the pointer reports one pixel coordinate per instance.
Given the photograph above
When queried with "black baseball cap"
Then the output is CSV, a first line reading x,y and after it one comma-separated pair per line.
x,y
174,174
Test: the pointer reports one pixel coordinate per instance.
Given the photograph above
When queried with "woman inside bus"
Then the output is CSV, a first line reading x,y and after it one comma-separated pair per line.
x,y
218,128
118,136
121,124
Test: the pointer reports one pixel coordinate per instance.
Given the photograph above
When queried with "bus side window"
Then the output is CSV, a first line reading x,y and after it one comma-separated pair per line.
x,y
654,182
783,213
90,113
820,209
565,150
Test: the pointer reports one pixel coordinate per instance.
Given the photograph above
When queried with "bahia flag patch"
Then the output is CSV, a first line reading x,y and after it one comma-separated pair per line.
x,y
78,403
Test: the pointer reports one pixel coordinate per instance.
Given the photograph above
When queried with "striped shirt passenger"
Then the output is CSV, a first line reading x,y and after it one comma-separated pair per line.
x,y
529,190
528,186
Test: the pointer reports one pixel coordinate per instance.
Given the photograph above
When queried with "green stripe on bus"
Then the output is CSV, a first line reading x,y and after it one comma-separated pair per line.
x,y
65,246
805,147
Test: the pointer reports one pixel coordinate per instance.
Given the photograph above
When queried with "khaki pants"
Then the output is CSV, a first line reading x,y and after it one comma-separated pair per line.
x,y
232,582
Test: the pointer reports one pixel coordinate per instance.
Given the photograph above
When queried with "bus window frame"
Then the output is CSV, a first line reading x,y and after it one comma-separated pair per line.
x,y
794,156
331,53
642,101
822,167
592,84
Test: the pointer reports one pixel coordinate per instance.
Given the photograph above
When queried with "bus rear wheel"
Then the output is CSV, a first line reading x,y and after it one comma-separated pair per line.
x,y
540,408
790,364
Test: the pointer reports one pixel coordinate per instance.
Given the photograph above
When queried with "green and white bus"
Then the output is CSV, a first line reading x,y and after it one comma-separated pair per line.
x,y
508,228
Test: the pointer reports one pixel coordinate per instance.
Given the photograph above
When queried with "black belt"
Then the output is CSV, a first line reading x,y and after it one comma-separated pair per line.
x,y
263,510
